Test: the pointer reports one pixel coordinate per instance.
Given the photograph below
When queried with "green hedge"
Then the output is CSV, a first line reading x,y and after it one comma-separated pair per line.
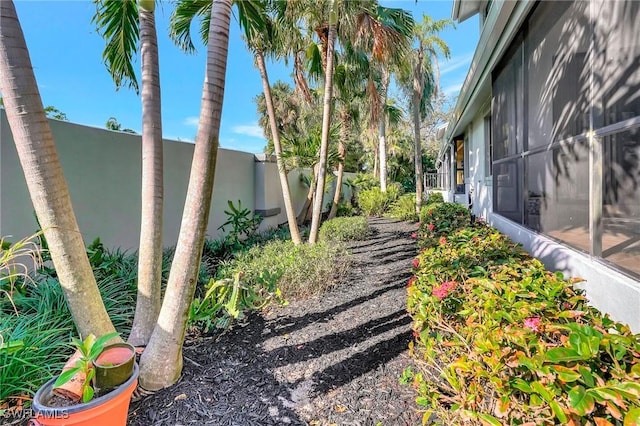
x,y
501,340
345,229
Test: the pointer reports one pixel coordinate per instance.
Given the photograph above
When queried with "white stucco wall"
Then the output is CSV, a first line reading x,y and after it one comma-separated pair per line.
x,y
606,289
103,172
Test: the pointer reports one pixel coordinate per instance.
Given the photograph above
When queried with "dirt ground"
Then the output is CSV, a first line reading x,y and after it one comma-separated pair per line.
x,y
331,360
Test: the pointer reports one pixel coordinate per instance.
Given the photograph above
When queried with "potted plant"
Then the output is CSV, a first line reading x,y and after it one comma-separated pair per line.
x,y
74,398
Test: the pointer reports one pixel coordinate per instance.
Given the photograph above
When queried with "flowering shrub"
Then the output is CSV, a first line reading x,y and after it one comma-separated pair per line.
x,y
501,340
441,219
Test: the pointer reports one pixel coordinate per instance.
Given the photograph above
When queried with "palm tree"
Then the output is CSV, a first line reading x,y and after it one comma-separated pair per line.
x,y
421,81
45,181
368,27
123,23
161,362
262,42
349,83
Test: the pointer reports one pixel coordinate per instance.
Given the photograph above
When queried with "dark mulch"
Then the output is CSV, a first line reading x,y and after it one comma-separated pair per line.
x,y
334,359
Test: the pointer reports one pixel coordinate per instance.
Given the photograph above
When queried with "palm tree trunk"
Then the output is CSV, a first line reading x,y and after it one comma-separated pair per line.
x,y
284,182
324,145
382,131
342,153
150,253
161,362
308,203
45,181
416,142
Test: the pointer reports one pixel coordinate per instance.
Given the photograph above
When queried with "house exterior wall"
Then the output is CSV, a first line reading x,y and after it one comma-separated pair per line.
x,y
563,176
103,172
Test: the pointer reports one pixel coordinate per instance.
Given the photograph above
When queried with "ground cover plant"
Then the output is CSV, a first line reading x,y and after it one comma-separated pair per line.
x,y
345,229
504,341
374,202
404,208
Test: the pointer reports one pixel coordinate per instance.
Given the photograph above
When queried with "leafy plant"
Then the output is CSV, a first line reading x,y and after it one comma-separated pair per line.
x,y
345,209
244,224
502,340
404,208
374,202
435,197
89,350
299,271
227,299
345,229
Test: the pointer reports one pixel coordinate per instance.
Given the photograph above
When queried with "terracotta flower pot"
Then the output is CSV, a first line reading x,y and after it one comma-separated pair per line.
x,y
114,366
107,410
72,390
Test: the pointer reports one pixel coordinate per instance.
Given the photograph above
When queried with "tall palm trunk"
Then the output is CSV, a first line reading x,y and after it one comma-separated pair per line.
x,y
344,116
284,182
307,207
45,181
382,131
416,139
150,253
161,362
324,145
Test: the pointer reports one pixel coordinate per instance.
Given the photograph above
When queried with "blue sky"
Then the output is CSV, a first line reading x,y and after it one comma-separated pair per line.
x,y
66,54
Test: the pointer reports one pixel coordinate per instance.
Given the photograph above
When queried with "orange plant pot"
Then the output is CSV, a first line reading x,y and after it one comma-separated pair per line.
x,y
108,410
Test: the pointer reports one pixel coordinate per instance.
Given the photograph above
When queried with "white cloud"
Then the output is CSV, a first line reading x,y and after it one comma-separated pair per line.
x,y
456,63
191,121
452,89
252,130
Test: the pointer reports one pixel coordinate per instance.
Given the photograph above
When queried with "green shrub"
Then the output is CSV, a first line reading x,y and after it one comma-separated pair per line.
x,y
441,219
404,208
345,209
504,341
374,202
345,229
275,271
435,197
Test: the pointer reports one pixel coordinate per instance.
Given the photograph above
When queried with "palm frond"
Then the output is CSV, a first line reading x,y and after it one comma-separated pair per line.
x,y
118,23
182,18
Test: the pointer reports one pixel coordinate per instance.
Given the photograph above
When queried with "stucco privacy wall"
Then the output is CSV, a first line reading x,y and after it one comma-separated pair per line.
x,y
103,171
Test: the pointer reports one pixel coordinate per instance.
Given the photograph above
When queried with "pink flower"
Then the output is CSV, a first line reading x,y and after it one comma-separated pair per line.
x,y
411,281
443,240
431,227
533,323
443,290
475,239
416,335
416,262
414,235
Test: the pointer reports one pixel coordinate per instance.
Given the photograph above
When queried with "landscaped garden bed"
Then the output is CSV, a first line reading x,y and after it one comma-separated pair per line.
x,y
502,340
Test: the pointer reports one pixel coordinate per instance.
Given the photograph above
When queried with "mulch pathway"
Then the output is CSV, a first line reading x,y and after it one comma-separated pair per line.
x,y
334,359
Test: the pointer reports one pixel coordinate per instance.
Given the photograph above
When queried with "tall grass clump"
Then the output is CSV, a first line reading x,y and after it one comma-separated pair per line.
x,y
345,229
35,321
404,208
299,271
374,202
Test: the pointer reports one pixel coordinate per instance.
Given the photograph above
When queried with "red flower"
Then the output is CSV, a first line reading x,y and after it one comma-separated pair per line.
x,y
443,240
416,335
475,239
416,262
411,281
431,227
533,323
414,235
443,290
